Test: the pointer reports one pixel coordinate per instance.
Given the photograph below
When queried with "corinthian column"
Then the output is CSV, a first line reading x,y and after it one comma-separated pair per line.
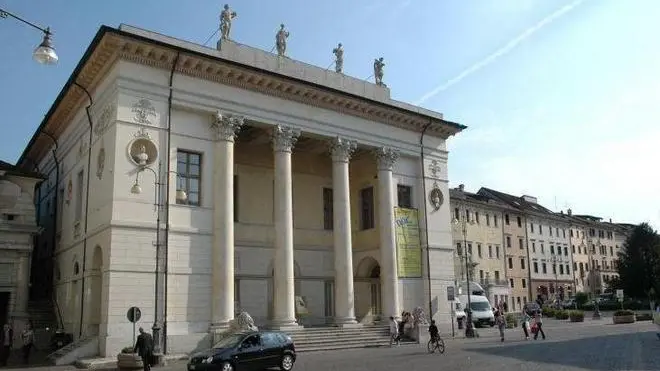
x,y
284,139
386,158
224,128
341,151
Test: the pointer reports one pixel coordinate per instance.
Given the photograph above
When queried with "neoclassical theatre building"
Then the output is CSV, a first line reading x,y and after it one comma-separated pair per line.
x,y
195,183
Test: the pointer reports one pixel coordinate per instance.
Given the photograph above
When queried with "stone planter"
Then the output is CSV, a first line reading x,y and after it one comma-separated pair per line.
x,y
129,361
623,319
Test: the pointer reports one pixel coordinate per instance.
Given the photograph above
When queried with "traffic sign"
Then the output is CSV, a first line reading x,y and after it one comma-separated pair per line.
x,y
133,314
451,295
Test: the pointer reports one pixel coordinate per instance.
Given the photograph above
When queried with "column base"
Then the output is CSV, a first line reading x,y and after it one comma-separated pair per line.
x,y
346,322
284,325
159,359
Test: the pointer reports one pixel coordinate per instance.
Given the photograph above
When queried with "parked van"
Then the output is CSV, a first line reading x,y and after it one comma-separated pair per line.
x,y
482,311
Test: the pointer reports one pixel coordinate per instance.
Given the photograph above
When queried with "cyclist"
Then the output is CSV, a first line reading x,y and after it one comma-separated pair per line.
x,y
433,330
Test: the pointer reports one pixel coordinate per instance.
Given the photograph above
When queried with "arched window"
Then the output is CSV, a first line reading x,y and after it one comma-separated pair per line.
x,y
76,268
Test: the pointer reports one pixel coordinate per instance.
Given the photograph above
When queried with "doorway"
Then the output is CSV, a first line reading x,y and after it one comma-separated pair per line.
x,y
4,304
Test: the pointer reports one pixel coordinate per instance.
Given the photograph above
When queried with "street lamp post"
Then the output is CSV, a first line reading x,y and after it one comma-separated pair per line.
x,y
463,222
158,205
554,261
45,52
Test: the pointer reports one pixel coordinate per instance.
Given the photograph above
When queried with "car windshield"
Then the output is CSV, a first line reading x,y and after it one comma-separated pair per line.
x,y
229,341
479,306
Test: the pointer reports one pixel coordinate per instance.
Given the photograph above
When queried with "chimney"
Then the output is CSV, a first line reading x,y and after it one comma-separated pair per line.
x,y
461,187
570,212
610,220
530,199
561,212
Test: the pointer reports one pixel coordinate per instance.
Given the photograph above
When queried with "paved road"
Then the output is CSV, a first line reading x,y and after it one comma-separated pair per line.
x,y
592,345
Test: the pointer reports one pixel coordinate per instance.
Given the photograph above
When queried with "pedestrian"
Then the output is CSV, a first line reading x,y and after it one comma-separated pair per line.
x,y
656,319
538,321
500,321
7,340
525,323
28,342
394,332
144,347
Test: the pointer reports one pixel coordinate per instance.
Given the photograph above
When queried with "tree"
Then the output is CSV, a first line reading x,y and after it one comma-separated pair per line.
x,y
639,262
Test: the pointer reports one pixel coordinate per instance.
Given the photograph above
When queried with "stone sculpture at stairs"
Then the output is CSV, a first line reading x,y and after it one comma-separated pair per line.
x,y
242,323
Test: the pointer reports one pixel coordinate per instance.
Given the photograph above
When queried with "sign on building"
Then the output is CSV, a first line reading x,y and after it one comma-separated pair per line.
x,y
408,245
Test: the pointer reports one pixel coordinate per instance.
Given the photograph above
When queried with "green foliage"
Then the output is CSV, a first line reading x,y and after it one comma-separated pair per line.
x,y
639,263
548,311
624,312
581,299
128,350
615,305
511,320
561,314
576,315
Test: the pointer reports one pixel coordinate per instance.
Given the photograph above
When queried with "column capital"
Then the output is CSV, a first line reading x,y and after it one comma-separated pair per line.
x,y
386,158
226,127
342,149
284,138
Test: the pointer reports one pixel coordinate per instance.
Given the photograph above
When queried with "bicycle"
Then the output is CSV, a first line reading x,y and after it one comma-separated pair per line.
x,y
436,344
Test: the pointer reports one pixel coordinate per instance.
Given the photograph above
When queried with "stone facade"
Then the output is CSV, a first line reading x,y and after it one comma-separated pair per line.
x,y
278,219
17,230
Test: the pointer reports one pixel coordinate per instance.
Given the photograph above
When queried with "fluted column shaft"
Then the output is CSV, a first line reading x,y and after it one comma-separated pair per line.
x,y
341,151
284,139
386,158
225,129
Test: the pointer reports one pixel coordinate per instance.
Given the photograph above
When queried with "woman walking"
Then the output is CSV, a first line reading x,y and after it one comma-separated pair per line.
x,y
501,323
525,323
538,321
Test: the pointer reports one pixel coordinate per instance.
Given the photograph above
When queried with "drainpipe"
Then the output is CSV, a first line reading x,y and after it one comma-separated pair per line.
x,y
426,219
167,202
89,164
529,264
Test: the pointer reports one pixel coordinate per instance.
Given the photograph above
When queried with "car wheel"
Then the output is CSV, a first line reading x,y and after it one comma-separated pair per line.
x,y
227,366
286,363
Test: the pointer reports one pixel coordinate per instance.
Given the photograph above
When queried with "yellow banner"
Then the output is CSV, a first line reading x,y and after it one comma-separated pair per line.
x,y
408,246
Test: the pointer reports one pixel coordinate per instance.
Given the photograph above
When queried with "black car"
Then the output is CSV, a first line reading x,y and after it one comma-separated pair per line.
x,y
247,351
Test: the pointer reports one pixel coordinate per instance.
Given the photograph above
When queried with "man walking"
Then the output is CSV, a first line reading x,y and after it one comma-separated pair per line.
x,y
7,340
144,347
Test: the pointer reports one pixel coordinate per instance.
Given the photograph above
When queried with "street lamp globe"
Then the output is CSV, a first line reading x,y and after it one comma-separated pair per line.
x,y
136,189
45,53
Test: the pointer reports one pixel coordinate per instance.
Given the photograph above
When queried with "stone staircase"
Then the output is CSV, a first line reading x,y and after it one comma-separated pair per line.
x,y
42,314
68,354
335,338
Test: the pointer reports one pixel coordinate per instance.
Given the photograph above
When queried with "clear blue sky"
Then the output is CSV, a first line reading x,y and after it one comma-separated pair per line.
x,y
568,110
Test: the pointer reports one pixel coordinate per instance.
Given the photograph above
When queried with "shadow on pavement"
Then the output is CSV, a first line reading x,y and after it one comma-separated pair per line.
x,y
37,360
631,351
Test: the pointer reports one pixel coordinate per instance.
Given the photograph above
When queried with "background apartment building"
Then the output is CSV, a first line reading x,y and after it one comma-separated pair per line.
x,y
483,221
517,263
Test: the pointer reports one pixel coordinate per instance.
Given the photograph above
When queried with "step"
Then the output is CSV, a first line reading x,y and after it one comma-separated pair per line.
x,y
325,338
341,346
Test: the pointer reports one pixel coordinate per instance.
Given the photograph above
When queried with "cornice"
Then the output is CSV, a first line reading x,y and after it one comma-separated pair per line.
x,y
112,45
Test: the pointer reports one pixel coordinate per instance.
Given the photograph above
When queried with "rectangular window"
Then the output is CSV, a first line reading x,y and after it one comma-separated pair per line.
x,y
497,251
554,269
488,219
470,249
540,229
459,250
552,250
511,282
510,263
534,247
479,250
481,275
565,250
550,230
524,283
545,268
521,245
189,174
508,241
573,249
497,276
563,233
557,232
80,184
327,209
571,233
536,267
490,251
506,219
561,269
367,208
495,220
522,263
519,220
476,217
568,269
404,196
457,214
542,249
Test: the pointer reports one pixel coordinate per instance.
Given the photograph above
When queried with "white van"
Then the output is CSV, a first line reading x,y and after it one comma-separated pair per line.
x,y
482,311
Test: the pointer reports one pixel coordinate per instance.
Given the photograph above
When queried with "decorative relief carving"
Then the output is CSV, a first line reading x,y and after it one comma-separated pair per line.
x,y
82,148
436,198
100,162
69,191
386,158
435,168
142,151
341,149
104,120
144,111
226,127
284,138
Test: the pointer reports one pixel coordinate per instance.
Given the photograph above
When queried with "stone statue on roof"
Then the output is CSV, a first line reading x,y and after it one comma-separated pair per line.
x,y
378,71
226,17
280,40
339,58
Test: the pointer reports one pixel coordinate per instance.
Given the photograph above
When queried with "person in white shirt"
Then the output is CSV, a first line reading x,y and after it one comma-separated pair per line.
x,y
394,332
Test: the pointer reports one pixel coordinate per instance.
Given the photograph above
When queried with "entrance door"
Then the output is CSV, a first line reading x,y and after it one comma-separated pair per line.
x,y
4,305
329,296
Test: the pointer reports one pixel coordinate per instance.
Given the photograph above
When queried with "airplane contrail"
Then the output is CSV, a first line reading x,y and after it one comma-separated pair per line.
x,y
501,51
